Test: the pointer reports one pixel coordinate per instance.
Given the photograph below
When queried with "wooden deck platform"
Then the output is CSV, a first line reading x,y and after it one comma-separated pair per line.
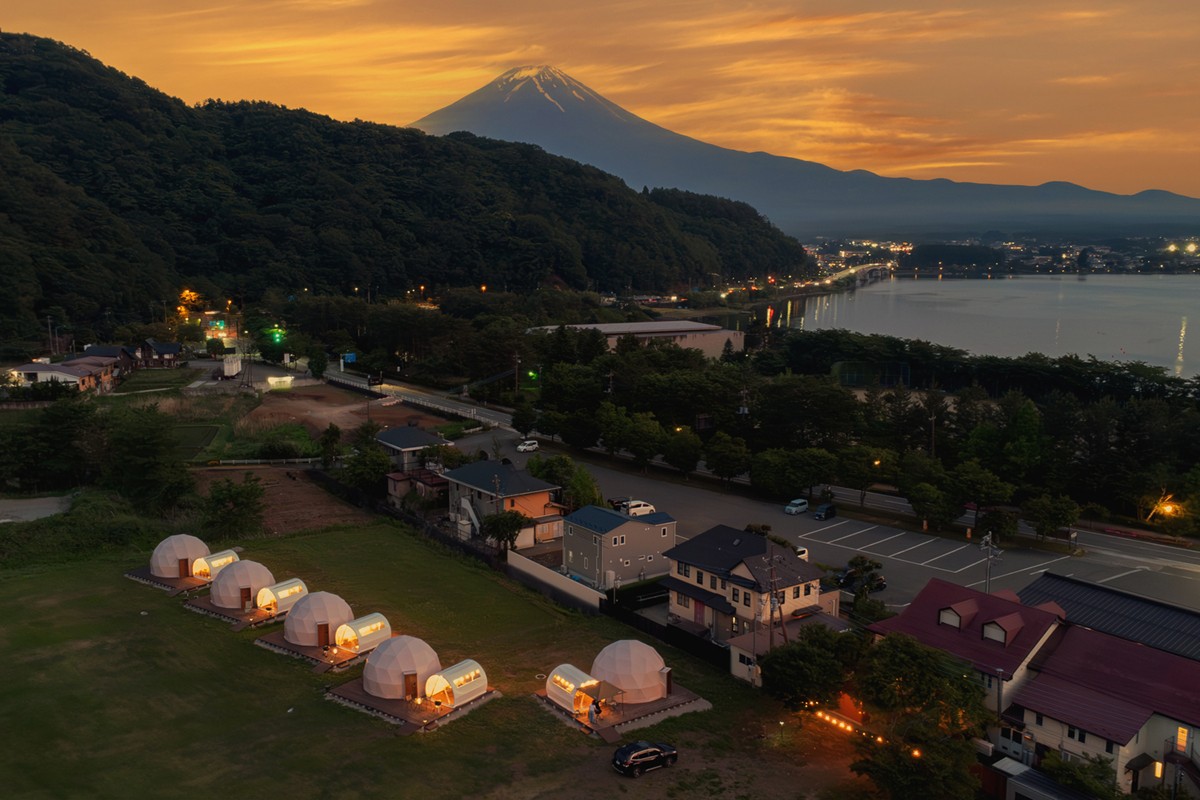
x,y
329,659
618,717
171,585
409,716
236,617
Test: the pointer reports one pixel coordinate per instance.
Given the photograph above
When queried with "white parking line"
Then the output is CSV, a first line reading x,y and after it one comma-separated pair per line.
x,y
1036,569
914,547
943,555
848,535
1122,574
888,539
975,564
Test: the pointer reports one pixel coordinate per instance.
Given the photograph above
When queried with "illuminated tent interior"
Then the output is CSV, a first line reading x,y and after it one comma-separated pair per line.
x,y
571,688
636,668
400,668
280,597
457,685
175,555
363,634
238,584
314,619
210,566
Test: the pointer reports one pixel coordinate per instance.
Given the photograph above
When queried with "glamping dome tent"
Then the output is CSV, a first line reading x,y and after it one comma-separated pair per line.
x,y
313,620
280,597
239,584
400,668
363,634
174,556
571,688
458,685
635,668
210,566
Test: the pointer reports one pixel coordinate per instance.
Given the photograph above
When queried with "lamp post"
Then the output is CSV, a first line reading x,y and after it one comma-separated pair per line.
x,y
991,553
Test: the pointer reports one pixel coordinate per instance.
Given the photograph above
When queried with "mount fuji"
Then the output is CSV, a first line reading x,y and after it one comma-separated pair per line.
x,y
544,106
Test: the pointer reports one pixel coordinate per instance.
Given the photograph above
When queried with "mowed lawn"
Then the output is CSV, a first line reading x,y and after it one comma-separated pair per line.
x,y
109,688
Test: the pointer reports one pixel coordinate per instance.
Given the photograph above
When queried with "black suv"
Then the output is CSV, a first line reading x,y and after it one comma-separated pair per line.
x,y
634,759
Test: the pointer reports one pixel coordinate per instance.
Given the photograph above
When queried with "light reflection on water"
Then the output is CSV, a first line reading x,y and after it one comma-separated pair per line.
x,y
1114,318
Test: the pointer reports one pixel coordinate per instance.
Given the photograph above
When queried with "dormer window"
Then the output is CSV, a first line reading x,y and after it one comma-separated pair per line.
x,y
948,616
993,631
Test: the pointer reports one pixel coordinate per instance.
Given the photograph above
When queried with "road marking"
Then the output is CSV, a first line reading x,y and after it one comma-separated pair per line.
x,y
1121,574
856,533
914,547
943,555
888,539
968,566
1043,565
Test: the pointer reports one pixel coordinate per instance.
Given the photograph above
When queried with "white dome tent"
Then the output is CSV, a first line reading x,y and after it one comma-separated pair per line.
x,y
238,584
571,688
399,668
635,668
279,598
175,555
314,619
363,634
209,566
457,685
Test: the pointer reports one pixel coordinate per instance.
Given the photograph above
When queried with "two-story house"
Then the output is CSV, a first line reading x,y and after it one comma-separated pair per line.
x,y
605,548
483,488
154,353
725,582
404,445
125,356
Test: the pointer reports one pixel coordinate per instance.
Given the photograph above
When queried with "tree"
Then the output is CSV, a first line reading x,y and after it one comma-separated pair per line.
x,y
814,465
682,449
330,444
1092,775
503,528
524,418
365,469
142,461
726,457
644,438
861,467
805,672
214,347
318,362
973,483
614,424
234,508
1048,514
931,505
772,473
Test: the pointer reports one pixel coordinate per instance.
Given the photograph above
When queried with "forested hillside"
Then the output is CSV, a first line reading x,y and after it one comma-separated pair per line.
x,y
113,194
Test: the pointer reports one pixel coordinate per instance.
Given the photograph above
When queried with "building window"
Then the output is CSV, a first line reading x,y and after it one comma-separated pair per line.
x,y
585,562
683,569
664,533
1039,720
807,589
570,530
683,600
1181,737
795,592
722,584
512,503
700,577
649,558
712,581
570,556
614,541
744,660
1108,747
622,538
1076,733
736,594
746,599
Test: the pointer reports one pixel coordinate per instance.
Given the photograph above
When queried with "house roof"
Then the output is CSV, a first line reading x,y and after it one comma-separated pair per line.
x,y
602,520
91,361
1108,685
759,642
111,350
1130,616
60,369
164,348
1025,625
408,438
491,477
721,549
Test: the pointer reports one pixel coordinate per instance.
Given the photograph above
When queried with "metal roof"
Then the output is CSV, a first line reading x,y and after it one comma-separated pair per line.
x,y
1130,616
721,549
408,438
492,476
602,520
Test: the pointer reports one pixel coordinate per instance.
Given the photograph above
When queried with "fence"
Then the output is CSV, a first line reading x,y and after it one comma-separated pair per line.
x,y
556,586
704,649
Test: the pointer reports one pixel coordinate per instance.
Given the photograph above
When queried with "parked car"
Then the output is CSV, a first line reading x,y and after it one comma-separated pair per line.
x,y
618,503
797,506
638,508
802,552
851,581
527,446
638,757
825,511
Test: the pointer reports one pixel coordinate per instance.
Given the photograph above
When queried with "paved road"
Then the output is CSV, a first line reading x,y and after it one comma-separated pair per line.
x,y
909,558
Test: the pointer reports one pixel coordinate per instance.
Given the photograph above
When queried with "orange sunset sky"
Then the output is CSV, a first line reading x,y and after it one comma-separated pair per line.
x,y
1105,94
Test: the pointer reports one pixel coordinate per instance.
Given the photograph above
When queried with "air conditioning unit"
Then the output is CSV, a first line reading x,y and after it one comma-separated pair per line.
x,y
983,747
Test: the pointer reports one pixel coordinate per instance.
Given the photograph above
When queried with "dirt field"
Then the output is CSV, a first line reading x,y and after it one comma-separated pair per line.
x,y
292,501
317,406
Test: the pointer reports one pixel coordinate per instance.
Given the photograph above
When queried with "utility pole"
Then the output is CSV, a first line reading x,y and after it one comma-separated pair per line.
x,y
991,553
50,334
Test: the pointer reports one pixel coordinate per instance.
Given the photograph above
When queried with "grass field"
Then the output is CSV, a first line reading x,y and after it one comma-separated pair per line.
x,y
194,439
146,379
110,689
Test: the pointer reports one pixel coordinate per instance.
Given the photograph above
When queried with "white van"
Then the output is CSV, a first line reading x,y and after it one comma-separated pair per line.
x,y
638,508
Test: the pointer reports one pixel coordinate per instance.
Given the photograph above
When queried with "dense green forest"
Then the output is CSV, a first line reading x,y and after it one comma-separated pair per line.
x,y
114,195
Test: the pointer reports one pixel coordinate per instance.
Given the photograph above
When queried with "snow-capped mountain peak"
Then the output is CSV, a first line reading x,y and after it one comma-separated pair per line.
x,y
554,86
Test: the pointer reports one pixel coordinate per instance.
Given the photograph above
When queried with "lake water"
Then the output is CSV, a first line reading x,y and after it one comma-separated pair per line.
x,y
1114,318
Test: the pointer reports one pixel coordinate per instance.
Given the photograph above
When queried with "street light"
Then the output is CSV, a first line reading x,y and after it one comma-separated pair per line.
x,y
991,553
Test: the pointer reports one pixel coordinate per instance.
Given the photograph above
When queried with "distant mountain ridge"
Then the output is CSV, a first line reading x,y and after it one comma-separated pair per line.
x,y
544,106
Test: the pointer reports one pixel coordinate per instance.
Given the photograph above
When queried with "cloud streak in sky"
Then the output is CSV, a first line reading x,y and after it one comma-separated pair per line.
x,y
1096,92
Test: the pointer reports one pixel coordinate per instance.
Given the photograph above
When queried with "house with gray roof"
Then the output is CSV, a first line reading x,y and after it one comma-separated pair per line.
x,y
482,488
725,582
709,339
605,548
404,445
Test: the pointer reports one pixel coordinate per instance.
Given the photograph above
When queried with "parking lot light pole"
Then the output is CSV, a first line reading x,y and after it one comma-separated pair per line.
x,y
991,553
